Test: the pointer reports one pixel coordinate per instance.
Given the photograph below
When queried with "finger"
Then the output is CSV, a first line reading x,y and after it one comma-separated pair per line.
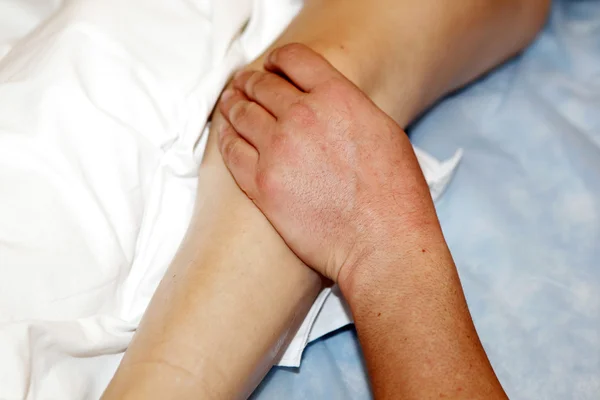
x,y
248,118
240,158
272,92
303,66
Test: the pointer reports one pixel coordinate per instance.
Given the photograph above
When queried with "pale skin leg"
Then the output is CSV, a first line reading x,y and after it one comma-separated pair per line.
x,y
235,291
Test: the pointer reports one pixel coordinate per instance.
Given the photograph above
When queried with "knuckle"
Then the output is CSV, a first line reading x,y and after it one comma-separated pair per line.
x,y
233,154
277,143
239,113
256,80
267,182
302,114
253,121
229,151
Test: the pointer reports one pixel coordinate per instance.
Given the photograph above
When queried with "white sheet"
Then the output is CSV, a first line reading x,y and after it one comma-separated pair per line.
x,y
101,110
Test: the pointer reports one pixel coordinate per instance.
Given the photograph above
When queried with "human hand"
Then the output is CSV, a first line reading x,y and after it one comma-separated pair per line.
x,y
336,176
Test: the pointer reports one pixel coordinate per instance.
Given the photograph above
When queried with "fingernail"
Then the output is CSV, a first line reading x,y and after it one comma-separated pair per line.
x,y
238,74
221,130
272,57
227,94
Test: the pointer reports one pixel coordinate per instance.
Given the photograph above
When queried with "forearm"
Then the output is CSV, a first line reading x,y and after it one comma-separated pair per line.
x,y
414,325
231,298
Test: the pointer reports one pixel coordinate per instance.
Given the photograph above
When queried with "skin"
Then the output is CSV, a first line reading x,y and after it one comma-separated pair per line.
x,y
235,292
304,153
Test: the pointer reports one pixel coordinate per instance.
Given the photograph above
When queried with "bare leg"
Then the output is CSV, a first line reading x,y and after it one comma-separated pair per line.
x,y
235,292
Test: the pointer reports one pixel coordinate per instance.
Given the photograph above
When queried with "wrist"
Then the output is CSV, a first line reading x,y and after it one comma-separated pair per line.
x,y
395,266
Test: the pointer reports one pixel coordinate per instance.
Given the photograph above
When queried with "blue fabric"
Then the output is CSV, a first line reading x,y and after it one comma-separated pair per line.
x,y
522,217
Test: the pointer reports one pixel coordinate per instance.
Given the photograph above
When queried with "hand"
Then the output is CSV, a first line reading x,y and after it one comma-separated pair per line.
x,y
336,176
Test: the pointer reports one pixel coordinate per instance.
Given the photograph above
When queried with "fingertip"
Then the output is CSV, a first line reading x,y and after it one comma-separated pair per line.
x,y
223,129
300,64
221,105
271,59
229,146
238,156
240,80
227,94
228,99
238,73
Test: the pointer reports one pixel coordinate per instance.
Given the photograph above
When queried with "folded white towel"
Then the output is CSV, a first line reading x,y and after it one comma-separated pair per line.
x,y
101,110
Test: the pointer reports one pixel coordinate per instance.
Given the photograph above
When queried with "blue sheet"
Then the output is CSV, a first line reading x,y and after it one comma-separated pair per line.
x,y
522,217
